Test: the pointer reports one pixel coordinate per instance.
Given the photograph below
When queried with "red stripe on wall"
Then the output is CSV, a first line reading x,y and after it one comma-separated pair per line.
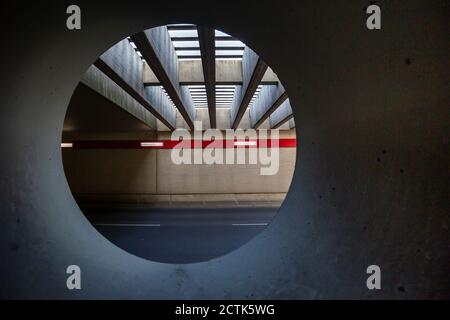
x,y
170,144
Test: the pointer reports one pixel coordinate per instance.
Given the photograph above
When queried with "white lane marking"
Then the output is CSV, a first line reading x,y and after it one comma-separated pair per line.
x,y
249,224
158,225
126,225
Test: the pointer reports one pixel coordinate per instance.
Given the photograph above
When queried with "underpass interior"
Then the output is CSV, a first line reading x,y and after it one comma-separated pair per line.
x,y
122,128
370,185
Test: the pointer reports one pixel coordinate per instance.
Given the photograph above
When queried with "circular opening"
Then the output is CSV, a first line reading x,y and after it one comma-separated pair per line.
x,y
179,144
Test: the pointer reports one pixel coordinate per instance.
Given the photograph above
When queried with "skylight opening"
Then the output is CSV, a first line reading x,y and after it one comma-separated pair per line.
x,y
184,44
238,53
135,49
221,34
183,33
193,52
229,43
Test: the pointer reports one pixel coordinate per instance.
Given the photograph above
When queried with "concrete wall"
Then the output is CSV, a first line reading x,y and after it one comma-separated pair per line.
x,y
110,171
103,85
371,178
223,120
149,175
190,71
123,59
161,44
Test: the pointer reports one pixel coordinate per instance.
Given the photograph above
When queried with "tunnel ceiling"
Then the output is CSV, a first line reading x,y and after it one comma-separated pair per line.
x,y
183,68
89,111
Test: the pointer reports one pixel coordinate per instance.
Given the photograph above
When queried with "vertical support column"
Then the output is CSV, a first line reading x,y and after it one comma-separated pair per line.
x,y
123,66
253,70
107,88
281,115
269,99
157,49
206,37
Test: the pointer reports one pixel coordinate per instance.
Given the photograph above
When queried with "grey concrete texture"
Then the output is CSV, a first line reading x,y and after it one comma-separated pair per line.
x,y
283,112
159,39
180,201
158,99
223,119
123,59
371,179
99,82
190,71
237,99
249,62
265,101
140,172
161,43
291,124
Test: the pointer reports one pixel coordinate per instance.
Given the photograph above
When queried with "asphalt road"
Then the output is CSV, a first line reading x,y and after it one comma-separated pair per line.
x,y
180,235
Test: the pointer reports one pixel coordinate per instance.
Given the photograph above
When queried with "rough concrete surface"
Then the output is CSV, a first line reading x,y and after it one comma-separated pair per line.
x,y
371,178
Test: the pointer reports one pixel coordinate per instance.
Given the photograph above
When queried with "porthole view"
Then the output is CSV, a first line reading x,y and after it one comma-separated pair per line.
x,y
179,144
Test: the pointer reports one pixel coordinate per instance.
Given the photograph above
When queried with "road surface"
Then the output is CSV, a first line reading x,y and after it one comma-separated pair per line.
x,y
180,235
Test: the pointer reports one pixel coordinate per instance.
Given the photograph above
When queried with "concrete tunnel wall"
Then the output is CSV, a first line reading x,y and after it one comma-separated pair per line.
x,y
150,176
370,184
223,121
